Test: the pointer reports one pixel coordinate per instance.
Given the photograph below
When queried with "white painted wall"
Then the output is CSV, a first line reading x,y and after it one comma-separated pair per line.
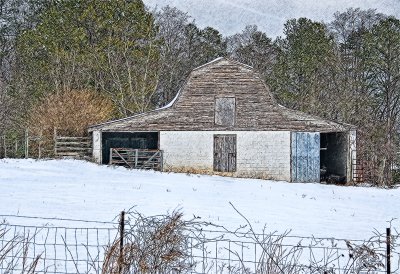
x,y
96,135
259,154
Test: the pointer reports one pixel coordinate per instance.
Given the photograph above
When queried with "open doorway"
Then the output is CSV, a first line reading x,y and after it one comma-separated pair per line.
x,y
333,163
129,140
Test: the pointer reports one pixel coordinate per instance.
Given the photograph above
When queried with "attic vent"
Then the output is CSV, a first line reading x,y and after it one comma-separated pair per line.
x,y
225,111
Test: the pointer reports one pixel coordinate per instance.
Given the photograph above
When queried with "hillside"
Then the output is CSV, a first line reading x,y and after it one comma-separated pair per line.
x,y
82,190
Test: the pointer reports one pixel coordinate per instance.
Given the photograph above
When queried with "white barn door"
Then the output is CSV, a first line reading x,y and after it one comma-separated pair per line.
x,y
305,157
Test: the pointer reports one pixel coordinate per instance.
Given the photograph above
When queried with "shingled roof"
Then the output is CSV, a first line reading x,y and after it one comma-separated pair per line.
x,y
193,107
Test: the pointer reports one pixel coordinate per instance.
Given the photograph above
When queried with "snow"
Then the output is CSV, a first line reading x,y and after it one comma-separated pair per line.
x,y
209,63
82,190
170,104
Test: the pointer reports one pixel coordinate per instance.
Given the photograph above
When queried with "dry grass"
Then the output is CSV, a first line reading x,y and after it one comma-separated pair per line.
x,y
208,171
14,253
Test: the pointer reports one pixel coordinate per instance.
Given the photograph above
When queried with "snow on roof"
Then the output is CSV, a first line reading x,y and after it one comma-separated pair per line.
x,y
219,59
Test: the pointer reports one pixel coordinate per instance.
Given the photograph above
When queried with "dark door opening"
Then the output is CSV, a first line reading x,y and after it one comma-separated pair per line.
x,y
334,157
225,153
133,140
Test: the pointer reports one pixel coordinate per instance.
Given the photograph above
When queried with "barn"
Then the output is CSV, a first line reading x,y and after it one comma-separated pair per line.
x,y
225,120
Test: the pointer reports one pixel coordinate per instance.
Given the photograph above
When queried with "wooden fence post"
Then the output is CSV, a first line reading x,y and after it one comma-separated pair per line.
x,y
136,157
26,143
388,271
162,160
5,146
55,141
40,145
121,242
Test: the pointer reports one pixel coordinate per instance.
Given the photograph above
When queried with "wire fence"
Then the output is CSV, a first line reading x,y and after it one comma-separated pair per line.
x,y
85,248
282,253
53,249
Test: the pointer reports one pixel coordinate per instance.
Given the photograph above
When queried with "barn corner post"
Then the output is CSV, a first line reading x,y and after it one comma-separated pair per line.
x,y
388,249
121,242
97,146
353,169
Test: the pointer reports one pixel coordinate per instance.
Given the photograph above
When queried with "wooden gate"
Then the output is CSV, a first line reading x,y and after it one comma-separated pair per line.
x,y
75,147
225,153
137,158
305,157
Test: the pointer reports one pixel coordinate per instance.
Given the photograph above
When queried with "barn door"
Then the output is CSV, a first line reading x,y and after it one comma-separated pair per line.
x,y
225,153
305,157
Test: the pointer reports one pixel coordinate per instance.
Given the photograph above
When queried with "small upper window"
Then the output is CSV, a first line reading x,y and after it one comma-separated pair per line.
x,y
225,111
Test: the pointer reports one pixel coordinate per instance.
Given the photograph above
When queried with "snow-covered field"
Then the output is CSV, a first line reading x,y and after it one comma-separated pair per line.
x,y
82,190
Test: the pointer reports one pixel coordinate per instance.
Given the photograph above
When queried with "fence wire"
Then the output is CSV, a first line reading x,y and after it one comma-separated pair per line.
x,y
53,249
65,250
282,253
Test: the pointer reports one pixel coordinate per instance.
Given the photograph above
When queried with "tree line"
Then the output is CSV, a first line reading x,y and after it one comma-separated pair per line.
x,y
129,59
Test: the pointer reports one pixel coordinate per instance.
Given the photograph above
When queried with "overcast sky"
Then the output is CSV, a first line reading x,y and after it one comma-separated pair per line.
x,y
231,16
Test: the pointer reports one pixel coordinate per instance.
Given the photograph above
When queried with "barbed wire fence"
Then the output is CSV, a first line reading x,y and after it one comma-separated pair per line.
x,y
169,244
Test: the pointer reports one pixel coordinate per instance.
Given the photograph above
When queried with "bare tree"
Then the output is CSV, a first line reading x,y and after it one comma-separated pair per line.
x,y
253,47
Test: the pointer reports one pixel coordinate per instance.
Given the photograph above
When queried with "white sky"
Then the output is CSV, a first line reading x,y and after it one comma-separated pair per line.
x,y
231,16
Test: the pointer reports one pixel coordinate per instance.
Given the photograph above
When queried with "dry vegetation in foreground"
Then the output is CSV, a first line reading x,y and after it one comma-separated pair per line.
x,y
170,244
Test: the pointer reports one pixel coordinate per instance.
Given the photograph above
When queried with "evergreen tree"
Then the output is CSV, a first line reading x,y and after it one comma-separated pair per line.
x,y
302,77
383,72
109,46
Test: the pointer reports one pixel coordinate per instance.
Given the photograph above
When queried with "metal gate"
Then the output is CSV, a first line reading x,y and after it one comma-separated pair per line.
x,y
225,153
305,157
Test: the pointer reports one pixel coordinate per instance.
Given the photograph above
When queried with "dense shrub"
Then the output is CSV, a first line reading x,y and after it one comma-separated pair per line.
x,y
70,112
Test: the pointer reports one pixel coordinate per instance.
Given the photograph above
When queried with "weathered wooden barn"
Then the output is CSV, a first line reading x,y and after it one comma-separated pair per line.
x,y
225,119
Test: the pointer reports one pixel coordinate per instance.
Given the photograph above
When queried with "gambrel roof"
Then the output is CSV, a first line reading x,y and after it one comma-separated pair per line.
x,y
193,107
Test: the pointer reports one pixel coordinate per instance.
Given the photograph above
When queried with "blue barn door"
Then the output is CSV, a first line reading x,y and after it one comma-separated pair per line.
x,y
305,157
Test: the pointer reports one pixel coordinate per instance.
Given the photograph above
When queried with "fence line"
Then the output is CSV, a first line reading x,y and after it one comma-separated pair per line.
x,y
54,249
26,144
56,219
12,147
67,249
71,146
